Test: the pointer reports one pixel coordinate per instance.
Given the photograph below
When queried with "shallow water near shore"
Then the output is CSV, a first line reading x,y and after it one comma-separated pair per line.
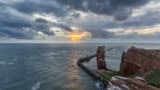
x,y
53,66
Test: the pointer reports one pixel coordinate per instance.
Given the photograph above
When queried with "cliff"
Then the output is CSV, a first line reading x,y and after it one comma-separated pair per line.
x,y
139,70
138,61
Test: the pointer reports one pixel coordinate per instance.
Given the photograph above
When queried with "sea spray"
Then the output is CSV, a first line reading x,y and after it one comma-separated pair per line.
x,y
36,86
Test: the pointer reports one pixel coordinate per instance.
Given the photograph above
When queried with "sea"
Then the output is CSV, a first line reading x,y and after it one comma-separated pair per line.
x,y
54,66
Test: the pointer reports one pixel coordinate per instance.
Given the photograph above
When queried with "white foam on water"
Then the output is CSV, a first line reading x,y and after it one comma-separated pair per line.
x,y
99,85
53,53
63,51
3,62
111,49
10,63
36,86
15,59
6,63
50,54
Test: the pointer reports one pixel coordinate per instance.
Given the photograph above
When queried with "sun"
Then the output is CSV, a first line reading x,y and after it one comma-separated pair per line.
x,y
75,36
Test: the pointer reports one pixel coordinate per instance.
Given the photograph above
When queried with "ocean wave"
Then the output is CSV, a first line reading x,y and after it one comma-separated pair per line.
x,y
63,51
10,63
15,59
50,54
53,53
110,49
6,63
3,62
99,85
36,86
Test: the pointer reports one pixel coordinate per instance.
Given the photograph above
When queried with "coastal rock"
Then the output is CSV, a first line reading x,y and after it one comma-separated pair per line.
x,y
139,61
101,64
123,83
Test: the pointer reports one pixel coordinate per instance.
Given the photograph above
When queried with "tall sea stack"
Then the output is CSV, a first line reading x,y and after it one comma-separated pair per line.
x,y
101,64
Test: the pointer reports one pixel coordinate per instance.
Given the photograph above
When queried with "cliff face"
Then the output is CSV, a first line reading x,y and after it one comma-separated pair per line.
x,y
138,61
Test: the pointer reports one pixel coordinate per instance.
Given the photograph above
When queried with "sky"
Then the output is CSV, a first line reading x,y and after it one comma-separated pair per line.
x,y
83,21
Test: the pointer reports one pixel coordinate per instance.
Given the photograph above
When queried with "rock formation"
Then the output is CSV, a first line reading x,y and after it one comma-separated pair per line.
x,y
134,62
139,61
101,64
123,83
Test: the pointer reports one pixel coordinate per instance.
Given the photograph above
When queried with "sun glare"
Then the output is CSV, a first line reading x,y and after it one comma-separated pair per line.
x,y
75,36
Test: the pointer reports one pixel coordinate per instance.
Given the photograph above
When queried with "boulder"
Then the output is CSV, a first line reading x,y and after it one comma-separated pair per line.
x,y
139,61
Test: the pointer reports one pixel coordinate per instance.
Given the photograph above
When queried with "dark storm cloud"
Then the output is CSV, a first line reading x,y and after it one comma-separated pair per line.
x,y
149,19
14,23
8,20
48,6
40,20
14,33
43,24
12,26
42,28
76,15
63,26
119,9
146,20
100,33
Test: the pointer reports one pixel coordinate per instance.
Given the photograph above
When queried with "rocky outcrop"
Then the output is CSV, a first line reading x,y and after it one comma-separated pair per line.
x,y
123,83
101,64
139,61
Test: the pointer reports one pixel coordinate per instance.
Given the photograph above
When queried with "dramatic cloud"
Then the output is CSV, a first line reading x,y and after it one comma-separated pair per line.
x,y
119,9
101,34
48,6
102,19
12,25
148,19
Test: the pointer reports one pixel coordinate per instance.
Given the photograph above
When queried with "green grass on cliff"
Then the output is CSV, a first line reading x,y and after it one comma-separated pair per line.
x,y
154,78
108,75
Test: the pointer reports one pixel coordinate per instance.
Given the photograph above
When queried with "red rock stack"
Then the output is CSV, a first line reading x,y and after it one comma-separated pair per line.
x,y
101,64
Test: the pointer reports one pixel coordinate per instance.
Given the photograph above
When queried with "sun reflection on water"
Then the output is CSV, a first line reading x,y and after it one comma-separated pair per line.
x,y
72,74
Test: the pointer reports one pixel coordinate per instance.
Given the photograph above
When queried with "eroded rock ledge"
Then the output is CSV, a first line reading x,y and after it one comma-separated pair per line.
x,y
124,83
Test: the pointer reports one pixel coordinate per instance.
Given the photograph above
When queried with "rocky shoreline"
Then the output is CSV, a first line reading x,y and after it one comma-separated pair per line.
x,y
139,70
